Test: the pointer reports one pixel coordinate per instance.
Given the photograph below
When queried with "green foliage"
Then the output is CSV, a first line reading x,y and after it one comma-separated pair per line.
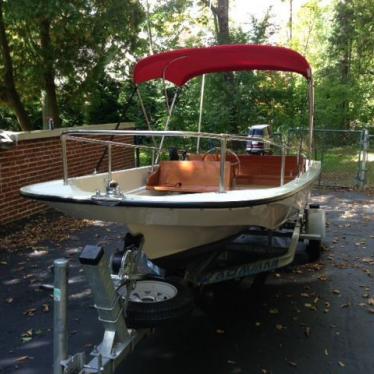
x,y
91,41
93,44
347,94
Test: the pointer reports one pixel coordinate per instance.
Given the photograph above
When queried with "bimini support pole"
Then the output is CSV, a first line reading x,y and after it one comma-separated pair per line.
x,y
311,115
222,165
171,110
200,112
283,165
148,122
64,158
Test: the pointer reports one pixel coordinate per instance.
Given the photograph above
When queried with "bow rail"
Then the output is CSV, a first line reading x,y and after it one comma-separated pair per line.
x,y
85,136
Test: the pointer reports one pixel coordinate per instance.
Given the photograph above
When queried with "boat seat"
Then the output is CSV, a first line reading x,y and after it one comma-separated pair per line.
x,y
265,170
192,176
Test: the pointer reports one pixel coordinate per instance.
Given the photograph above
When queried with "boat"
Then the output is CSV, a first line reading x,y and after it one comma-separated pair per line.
x,y
182,207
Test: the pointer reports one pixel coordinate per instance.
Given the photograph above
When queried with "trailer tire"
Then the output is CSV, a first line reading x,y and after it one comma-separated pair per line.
x,y
173,300
313,249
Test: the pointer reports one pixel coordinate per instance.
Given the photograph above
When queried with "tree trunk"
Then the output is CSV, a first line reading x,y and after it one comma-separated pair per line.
x,y
222,14
290,23
10,94
345,70
221,20
50,106
345,65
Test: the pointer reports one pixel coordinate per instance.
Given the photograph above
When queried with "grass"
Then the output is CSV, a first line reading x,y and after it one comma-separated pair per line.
x,y
340,167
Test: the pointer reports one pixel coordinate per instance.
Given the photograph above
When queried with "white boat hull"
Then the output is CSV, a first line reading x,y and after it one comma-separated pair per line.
x,y
176,223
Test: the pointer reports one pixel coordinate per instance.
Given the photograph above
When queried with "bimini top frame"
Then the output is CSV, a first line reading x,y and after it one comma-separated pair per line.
x,y
181,65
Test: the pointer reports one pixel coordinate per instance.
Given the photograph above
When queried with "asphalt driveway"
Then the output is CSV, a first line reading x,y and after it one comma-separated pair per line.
x,y
307,319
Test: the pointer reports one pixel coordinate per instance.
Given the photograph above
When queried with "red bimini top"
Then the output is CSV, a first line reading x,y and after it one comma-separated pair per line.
x,y
181,65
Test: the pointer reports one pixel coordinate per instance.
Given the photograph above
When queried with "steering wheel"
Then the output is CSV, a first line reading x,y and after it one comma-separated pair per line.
x,y
217,157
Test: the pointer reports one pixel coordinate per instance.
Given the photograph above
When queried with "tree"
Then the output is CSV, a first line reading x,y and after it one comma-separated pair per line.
x,y
49,96
65,48
221,20
8,92
345,84
290,21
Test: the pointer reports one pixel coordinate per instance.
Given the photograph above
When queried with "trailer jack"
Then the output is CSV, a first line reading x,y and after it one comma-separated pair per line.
x,y
118,340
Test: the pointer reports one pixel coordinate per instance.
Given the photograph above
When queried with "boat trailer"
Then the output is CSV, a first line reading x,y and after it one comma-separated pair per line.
x,y
127,280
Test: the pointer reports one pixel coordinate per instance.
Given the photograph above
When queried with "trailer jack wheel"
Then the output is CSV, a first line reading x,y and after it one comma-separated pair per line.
x,y
155,302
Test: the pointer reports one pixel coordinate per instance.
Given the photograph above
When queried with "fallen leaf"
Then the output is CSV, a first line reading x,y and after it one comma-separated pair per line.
x,y
336,292
29,312
368,260
371,301
45,308
341,364
24,358
347,305
27,333
274,311
307,331
9,300
292,363
310,306
42,229
326,352
219,331
280,327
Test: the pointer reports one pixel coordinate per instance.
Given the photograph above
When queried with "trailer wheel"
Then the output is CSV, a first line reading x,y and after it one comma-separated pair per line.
x,y
155,302
313,249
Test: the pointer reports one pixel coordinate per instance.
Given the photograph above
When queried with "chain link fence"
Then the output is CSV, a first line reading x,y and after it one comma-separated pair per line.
x,y
370,163
347,156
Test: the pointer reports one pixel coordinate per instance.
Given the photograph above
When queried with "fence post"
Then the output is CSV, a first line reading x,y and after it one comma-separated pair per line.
x,y
362,173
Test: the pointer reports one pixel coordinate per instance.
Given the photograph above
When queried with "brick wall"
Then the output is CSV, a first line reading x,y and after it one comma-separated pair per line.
x,y
38,158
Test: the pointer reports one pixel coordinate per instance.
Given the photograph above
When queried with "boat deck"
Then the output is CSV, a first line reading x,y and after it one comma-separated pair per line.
x,y
202,173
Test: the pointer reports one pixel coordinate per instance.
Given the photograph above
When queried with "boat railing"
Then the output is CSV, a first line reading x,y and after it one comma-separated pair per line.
x,y
81,136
